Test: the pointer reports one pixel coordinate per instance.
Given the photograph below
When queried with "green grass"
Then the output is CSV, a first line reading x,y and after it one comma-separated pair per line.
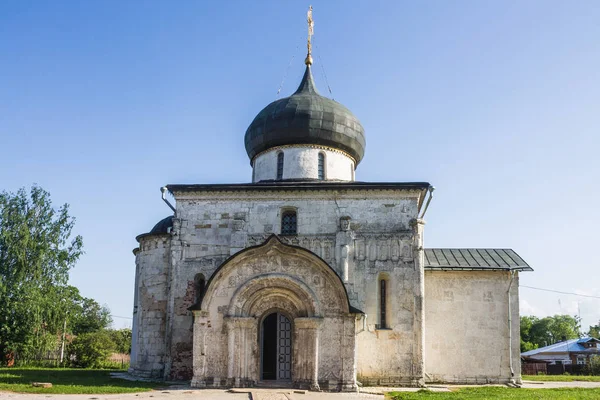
x,y
562,378
500,393
68,381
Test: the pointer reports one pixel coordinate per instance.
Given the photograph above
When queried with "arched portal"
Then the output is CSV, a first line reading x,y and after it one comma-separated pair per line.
x,y
276,348
275,312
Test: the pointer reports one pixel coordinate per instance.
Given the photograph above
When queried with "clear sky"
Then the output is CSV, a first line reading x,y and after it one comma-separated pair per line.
x,y
496,103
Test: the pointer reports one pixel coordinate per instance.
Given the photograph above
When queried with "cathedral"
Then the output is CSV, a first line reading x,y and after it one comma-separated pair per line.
x,y
307,278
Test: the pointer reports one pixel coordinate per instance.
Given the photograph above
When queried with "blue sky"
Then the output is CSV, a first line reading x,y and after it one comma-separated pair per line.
x,y
496,103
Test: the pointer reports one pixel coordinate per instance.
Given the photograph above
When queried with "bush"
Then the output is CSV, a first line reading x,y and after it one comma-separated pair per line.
x,y
91,350
593,366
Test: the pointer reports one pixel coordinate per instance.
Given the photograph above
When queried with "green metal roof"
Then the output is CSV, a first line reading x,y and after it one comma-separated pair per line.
x,y
474,259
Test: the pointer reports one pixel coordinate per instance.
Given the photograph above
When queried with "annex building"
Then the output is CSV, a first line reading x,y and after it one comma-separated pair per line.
x,y
309,278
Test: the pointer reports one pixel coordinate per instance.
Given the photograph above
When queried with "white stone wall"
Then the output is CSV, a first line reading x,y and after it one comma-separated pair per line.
x,y
212,227
302,163
251,286
466,327
152,261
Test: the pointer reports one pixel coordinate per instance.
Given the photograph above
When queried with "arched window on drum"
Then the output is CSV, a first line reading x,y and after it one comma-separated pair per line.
x,y
280,165
321,166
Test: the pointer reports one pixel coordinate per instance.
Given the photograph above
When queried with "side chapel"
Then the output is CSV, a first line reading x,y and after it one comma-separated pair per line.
x,y
308,278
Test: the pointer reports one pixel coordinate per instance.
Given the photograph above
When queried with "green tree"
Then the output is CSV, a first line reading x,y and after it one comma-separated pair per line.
x,y
122,340
37,251
539,332
90,317
526,324
89,350
594,331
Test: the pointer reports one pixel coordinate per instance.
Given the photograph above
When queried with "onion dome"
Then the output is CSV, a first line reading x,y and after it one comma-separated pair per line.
x,y
306,117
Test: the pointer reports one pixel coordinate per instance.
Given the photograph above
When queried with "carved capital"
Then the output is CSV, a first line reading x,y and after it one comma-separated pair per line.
x,y
240,322
308,323
200,316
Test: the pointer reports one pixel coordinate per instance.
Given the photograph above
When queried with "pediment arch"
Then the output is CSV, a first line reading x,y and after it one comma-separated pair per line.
x,y
279,272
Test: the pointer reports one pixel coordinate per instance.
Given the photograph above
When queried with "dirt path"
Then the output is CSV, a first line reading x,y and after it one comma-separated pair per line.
x,y
183,393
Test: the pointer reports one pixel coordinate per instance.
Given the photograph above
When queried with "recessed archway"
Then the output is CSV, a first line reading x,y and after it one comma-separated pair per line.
x,y
288,293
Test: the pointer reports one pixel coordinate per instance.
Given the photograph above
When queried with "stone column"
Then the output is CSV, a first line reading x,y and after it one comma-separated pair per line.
x,y
348,339
305,373
419,313
241,362
199,348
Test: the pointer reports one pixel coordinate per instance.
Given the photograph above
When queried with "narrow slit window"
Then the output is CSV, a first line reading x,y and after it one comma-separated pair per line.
x,y
321,166
280,165
382,304
289,223
199,283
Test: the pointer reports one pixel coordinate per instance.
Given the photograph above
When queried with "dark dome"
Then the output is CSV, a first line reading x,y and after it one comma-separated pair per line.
x,y
306,117
162,226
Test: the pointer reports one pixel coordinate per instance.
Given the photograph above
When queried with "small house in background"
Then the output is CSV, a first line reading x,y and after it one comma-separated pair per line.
x,y
574,352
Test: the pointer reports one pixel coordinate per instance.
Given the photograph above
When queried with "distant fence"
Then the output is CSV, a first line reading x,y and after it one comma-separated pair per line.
x,y
120,358
534,369
52,358
572,369
549,369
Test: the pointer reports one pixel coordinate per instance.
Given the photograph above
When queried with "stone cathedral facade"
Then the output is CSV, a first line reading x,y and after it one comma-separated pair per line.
x,y
308,278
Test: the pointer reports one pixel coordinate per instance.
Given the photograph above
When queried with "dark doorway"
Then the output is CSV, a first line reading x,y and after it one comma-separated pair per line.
x,y
276,347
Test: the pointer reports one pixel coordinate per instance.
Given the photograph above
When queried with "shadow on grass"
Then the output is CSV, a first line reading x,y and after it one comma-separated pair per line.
x,y
84,381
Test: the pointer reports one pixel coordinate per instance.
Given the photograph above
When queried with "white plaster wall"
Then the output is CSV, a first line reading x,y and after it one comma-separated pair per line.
x,y
466,327
302,163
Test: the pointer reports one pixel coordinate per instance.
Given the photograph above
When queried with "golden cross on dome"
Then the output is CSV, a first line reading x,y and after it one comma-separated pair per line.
x,y
311,32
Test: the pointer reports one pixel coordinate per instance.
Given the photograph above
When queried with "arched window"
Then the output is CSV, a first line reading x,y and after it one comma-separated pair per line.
x,y
383,289
199,283
321,170
288,223
280,165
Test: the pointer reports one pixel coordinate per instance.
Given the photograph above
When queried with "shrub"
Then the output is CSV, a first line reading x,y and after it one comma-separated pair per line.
x,y
593,365
91,350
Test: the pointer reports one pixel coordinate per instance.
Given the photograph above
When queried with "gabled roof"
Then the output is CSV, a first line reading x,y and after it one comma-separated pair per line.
x,y
567,346
474,259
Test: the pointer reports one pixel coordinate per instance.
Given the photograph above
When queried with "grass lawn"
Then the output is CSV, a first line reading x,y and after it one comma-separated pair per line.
x,y
562,378
500,393
69,381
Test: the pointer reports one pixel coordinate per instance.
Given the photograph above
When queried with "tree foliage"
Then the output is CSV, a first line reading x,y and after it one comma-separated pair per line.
x,y
122,340
89,317
594,331
37,251
539,332
593,365
89,350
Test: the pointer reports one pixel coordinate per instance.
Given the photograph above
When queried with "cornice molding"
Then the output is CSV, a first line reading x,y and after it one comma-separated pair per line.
x,y
291,194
